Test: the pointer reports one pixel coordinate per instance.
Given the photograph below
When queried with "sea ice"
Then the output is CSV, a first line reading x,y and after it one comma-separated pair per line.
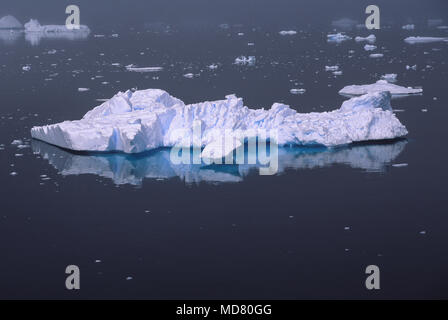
x,y
370,38
10,22
331,68
369,47
134,122
413,40
297,91
245,60
131,67
379,86
376,55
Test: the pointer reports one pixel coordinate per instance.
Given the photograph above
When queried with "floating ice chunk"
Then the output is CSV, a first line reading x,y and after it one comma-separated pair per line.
x,y
243,60
337,37
83,89
13,173
297,91
380,85
376,55
26,68
408,27
133,122
371,38
369,47
389,77
413,40
213,66
337,73
400,165
16,142
34,26
189,75
331,68
414,67
143,69
10,22
287,32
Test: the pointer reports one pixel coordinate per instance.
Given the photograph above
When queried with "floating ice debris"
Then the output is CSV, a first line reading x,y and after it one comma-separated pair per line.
x,y
34,26
369,47
414,67
371,38
16,142
287,32
213,66
250,44
424,110
346,228
413,40
26,68
337,37
400,165
143,69
245,60
133,122
53,51
13,173
23,146
408,27
189,75
331,68
240,34
379,86
297,91
376,55
337,73
422,232
389,77
10,22
129,278
83,89
97,261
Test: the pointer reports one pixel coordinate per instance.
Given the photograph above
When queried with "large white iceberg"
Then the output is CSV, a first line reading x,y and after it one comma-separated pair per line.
x,y
379,86
10,22
133,122
34,26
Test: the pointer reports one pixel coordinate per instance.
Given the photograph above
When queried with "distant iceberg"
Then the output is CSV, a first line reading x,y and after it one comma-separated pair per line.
x,y
413,40
337,37
379,86
10,22
133,169
34,26
133,122
371,38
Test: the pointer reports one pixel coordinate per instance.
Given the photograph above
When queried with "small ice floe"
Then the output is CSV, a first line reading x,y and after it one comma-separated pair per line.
x,y
380,85
331,68
13,173
83,89
240,34
414,67
337,37
423,232
413,40
376,55
17,142
26,68
399,165
23,146
97,261
53,51
115,35
346,228
213,66
131,67
189,75
389,77
129,278
424,110
116,64
408,27
371,38
369,47
297,91
250,44
337,73
287,32
243,60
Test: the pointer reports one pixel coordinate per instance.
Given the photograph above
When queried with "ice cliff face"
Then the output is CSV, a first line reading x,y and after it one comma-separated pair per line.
x,y
133,122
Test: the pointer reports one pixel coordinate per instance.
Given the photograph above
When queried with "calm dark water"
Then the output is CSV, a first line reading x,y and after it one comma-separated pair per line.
x,y
190,232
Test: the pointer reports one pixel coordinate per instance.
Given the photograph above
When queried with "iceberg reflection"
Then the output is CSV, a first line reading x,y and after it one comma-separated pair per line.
x,y
132,169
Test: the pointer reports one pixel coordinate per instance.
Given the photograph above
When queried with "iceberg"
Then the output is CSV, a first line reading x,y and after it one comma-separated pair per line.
x,y
133,122
371,38
379,86
10,22
34,26
414,40
133,169
337,37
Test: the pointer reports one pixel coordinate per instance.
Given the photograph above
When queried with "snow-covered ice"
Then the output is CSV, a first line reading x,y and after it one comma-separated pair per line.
x,y
10,22
414,40
134,122
379,86
371,38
